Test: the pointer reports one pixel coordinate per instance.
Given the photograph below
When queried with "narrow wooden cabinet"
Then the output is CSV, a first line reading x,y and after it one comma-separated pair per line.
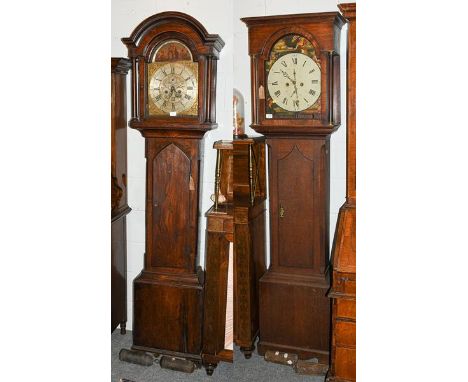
x,y
249,234
295,78
343,290
119,207
237,216
219,239
173,105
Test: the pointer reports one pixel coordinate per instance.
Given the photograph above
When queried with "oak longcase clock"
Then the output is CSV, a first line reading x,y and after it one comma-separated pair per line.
x,y
173,105
296,105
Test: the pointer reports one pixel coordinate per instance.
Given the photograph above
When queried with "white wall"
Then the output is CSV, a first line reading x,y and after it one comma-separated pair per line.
x,y
216,16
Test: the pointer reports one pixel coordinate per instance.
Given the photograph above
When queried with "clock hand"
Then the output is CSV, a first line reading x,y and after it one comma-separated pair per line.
x,y
287,76
294,83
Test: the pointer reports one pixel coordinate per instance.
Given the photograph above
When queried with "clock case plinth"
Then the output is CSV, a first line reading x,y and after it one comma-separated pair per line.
x,y
168,293
294,309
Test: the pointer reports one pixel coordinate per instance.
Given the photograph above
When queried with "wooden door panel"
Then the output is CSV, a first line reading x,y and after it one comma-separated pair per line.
x,y
171,208
296,174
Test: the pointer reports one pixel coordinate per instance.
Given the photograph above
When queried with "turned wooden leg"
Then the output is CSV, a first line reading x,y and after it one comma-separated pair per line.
x,y
123,326
247,350
210,368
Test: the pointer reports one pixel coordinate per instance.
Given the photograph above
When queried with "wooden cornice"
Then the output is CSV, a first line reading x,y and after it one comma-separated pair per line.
x,y
120,65
151,22
348,10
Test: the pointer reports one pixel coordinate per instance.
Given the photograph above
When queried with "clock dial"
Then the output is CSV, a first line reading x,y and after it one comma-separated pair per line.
x,y
294,82
173,87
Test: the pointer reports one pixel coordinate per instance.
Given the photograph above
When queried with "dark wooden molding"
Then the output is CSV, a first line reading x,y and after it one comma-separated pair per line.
x,y
120,65
213,41
348,10
298,18
117,214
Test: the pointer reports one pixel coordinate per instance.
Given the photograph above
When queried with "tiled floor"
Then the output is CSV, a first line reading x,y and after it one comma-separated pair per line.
x,y
254,369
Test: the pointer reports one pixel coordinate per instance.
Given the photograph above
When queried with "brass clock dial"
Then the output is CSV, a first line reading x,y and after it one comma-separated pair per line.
x,y
173,88
294,82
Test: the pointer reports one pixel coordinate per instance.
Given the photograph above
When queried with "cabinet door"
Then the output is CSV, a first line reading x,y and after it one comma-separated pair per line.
x,y
171,208
296,174
298,189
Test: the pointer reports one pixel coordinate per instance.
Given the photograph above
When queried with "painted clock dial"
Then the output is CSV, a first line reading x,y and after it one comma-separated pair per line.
x,y
293,78
294,82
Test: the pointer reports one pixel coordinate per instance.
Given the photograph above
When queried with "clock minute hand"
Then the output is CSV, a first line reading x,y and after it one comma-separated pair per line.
x,y
287,76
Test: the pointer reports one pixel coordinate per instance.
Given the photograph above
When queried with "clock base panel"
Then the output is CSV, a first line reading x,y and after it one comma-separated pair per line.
x,y
295,315
168,312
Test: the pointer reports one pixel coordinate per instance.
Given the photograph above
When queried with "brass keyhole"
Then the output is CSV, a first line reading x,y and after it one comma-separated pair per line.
x,y
281,212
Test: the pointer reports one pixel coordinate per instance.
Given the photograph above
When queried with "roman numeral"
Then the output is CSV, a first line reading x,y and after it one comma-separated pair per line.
x,y
189,87
312,92
164,71
275,83
164,104
173,107
313,70
276,72
277,93
284,63
158,97
315,81
305,99
296,103
188,78
304,63
172,70
187,96
294,60
285,101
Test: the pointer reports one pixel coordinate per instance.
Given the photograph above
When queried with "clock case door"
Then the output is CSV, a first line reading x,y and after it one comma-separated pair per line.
x,y
168,293
299,156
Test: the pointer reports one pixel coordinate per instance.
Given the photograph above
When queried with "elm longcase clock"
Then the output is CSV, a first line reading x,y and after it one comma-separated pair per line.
x,y
173,105
296,105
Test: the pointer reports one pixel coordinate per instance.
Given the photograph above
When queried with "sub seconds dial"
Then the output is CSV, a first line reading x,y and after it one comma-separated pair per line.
x,y
294,82
173,88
